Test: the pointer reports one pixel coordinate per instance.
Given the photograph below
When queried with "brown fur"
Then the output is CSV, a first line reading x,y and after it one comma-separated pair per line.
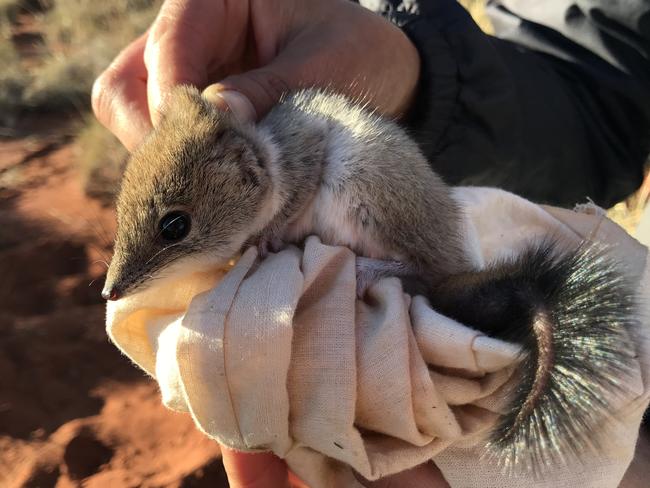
x,y
202,161
193,162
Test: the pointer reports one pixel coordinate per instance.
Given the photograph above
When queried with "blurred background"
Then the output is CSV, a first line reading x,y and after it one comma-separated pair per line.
x,y
73,411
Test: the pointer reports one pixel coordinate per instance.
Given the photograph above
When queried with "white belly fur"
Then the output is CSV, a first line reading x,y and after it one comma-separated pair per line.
x,y
328,218
328,215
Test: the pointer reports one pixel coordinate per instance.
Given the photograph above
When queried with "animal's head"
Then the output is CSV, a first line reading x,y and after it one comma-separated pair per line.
x,y
192,194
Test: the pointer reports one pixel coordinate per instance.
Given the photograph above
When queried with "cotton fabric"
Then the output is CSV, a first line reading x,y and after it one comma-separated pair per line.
x,y
279,355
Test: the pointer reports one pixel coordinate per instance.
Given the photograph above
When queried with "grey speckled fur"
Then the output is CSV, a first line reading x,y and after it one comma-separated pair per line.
x,y
391,194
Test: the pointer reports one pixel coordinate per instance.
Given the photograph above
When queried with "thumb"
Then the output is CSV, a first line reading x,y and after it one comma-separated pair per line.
x,y
167,68
250,95
181,44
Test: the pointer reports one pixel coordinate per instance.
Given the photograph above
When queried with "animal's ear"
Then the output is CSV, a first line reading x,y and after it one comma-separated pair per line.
x,y
184,102
252,166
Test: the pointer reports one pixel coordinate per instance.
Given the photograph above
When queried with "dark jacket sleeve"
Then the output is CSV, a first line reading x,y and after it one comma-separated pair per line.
x,y
554,107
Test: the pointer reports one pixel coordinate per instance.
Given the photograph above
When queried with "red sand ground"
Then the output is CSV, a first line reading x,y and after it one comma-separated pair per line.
x,y
73,411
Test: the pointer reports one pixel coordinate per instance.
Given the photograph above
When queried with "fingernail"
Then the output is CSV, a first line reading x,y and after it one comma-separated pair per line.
x,y
237,103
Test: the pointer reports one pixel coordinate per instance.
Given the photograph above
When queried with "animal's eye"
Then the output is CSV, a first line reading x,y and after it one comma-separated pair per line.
x,y
175,226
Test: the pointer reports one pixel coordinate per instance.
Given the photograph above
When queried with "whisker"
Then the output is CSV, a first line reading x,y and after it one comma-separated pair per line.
x,y
105,233
95,227
162,250
100,261
100,251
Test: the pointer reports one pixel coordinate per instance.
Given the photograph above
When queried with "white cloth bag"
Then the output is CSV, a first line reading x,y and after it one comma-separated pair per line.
x,y
279,355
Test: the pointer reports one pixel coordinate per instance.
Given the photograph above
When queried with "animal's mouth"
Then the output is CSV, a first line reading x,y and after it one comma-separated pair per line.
x,y
120,284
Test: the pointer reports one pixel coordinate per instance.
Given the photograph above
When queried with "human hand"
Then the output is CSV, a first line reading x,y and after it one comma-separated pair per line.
x,y
264,470
250,52
254,470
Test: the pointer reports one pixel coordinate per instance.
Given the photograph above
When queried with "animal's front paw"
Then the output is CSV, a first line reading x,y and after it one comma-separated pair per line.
x,y
364,281
263,248
276,244
370,271
269,243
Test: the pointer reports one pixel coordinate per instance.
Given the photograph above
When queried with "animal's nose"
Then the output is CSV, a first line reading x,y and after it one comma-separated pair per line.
x,y
111,293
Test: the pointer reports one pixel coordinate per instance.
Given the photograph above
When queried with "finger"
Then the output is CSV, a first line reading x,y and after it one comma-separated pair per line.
x,y
254,470
248,96
426,475
302,63
119,96
188,37
332,57
252,94
296,482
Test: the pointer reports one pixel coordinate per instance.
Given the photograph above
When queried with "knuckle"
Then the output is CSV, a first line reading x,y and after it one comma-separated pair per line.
x,y
164,45
265,88
173,20
100,98
162,32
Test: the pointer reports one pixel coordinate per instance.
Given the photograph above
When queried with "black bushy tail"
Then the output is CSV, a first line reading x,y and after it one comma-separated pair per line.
x,y
574,314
